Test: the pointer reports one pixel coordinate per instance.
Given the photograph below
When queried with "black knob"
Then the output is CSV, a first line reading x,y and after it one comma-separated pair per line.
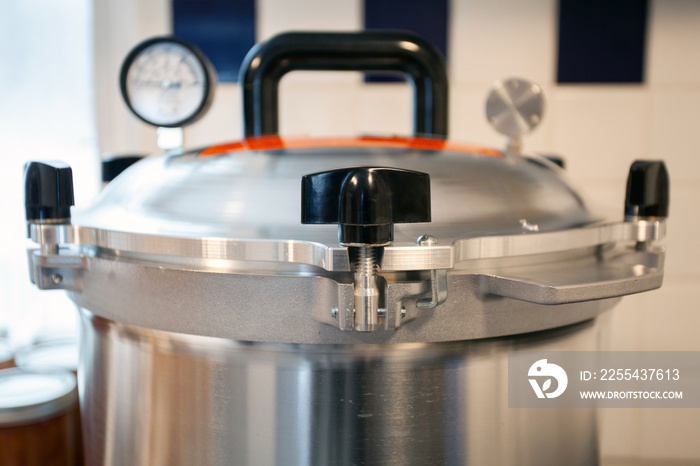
x,y
366,202
556,160
647,189
113,166
48,191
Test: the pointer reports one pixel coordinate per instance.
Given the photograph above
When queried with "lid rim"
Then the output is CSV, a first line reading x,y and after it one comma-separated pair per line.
x,y
334,258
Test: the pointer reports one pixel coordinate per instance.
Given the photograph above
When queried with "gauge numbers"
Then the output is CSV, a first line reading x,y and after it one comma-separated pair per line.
x,y
167,82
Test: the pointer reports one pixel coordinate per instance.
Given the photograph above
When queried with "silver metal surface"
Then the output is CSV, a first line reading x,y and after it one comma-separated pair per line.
x,y
205,251
257,195
366,291
438,290
157,398
283,291
514,107
57,271
296,308
621,274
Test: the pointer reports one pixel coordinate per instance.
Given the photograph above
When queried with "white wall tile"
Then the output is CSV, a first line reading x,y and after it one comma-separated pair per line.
x,y
683,231
322,109
672,317
600,129
276,16
619,431
665,319
118,27
673,40
222,123
670,434
502,38
626,324
467,120
661,320
605,198
675,122
386,108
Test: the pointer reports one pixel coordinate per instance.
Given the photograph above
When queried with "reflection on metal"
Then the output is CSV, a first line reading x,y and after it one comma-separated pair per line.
x,y
295,306
173,250
251,403
366,291
116,275
237,195
529,226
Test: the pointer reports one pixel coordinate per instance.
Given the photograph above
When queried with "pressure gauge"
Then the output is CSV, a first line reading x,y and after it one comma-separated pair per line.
x,y
167,82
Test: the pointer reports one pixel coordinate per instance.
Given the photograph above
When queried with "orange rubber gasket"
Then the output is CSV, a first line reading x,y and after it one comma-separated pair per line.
x,y
275,142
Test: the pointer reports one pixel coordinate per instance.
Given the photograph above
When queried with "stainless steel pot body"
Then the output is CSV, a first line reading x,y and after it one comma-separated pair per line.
x,y
160,398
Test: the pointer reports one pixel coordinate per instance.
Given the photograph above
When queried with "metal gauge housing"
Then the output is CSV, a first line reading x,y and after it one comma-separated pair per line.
x,y
167,82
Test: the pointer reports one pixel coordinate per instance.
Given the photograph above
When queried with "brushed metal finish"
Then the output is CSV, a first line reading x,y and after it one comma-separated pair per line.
x,y
190,251
514,106
256,194
298,309
158,398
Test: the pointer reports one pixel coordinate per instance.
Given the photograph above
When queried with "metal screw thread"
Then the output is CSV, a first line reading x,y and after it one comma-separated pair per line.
x,y
366,261
366,290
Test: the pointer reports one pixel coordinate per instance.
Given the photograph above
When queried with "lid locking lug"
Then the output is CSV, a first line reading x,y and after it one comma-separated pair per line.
x,y
365,203
647,196
48,198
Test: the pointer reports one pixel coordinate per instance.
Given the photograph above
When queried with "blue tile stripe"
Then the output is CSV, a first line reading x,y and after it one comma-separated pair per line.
x,y
223,29
427,18
602,41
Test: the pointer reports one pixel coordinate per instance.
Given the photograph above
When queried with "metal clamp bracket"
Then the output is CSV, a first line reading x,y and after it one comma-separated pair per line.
x,y
56,271
438,279
438,290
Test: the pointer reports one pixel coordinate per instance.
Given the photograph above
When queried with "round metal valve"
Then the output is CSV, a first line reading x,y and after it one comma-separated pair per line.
x,y
514,106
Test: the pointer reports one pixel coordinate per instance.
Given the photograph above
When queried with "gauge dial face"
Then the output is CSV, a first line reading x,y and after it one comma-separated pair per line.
x,y
166,83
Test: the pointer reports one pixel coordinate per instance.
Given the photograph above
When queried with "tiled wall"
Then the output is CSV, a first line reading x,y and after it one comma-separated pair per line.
x,y
599,129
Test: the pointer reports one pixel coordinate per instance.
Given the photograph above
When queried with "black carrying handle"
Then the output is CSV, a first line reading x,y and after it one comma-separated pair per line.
x,y
404,52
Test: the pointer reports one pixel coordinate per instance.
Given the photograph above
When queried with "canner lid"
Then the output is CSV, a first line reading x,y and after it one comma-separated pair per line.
x,y
256,194
211,243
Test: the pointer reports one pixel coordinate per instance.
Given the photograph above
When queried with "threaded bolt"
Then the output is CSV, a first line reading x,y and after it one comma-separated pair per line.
x,y
366,290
